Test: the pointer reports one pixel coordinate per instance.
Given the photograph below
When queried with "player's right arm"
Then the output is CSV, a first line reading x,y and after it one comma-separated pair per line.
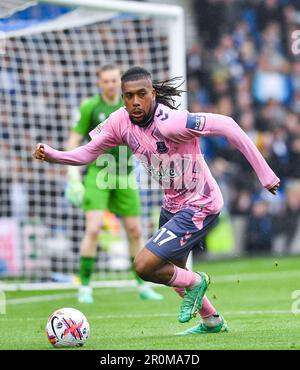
x,y
85,154
77,157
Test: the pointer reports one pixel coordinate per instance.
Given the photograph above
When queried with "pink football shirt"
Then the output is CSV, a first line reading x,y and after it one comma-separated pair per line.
x,y
169,149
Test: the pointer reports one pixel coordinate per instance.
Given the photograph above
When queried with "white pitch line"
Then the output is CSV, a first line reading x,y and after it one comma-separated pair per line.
x,y
42,298
215,279
242,277
50,297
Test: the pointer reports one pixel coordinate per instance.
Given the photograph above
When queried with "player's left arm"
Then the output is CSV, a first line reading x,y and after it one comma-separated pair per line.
x,y
216,124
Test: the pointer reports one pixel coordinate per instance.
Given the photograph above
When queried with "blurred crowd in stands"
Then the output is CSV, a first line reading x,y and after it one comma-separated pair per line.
x,y
246,64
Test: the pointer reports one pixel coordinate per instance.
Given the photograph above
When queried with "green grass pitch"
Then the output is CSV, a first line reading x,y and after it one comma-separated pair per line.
x,y
254,295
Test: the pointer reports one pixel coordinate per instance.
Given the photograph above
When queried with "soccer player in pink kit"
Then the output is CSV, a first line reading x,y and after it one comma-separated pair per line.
x,y
165,140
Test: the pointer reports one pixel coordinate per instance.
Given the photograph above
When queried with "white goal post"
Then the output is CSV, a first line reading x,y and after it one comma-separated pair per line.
x,y
46,71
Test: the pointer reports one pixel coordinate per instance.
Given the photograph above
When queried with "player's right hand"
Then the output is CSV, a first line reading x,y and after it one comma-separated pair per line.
x,y
75,193
39,152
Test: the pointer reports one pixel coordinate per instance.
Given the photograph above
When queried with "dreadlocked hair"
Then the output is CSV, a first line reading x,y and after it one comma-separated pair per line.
x,y
165,90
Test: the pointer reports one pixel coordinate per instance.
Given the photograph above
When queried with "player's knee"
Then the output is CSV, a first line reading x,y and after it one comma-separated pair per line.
x,y
142,269
134,233
93,230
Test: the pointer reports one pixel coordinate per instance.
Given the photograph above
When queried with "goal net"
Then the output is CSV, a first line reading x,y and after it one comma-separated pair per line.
x,y
46,71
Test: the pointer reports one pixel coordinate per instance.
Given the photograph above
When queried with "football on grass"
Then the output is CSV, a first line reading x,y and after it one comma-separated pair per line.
x,y
67,327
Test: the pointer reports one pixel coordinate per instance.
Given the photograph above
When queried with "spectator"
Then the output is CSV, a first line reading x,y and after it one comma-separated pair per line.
x,y
269,11
259,230
270,79
248,72
294,158
289,221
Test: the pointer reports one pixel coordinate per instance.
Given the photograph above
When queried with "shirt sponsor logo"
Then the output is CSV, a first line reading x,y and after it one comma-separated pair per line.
x,y
160,173
195,122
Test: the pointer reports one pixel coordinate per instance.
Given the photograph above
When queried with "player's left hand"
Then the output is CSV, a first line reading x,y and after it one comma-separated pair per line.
x,y
274,189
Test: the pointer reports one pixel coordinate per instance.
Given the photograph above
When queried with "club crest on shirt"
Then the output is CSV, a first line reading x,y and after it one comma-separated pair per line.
x,y
161,147
195,122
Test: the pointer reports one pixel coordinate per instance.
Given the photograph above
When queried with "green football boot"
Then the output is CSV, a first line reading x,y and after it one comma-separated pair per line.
x,y
192,299
203,329
85,295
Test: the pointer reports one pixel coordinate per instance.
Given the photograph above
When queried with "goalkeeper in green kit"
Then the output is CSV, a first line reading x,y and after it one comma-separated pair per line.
x,y
95,199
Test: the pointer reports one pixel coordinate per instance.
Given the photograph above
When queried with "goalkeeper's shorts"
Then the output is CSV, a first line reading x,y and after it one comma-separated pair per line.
x,y
120,201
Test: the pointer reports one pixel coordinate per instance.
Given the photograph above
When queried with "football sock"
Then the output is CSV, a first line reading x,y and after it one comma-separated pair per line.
x,y
184,278
137,278
207,310
212,320
87,266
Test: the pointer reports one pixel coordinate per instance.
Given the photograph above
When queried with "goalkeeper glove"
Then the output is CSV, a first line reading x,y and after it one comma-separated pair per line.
x,y
75,190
